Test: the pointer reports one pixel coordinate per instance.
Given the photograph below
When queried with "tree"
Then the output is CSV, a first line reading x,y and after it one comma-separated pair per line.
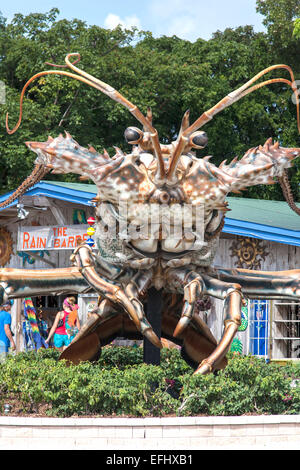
x,y
26,44
169,74
279,16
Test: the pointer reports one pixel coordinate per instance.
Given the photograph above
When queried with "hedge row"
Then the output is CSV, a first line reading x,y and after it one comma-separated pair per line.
x,y
120,384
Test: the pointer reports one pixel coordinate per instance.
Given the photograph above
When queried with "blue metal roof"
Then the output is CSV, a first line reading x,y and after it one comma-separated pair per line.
x,y
245,219
264,232
70,192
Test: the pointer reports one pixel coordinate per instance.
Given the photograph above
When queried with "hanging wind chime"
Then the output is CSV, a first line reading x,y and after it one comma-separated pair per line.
x,y
90,231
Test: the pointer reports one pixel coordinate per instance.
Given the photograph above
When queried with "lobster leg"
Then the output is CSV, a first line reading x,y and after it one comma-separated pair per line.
x,y
106,310
229,284
86,345
195,284
114,293
18,283
283,285
193,288
232,295
137,287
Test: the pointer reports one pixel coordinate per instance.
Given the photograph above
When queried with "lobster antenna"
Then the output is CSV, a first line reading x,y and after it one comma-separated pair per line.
x,y
37,75
146,121
224,103
184,123
109,91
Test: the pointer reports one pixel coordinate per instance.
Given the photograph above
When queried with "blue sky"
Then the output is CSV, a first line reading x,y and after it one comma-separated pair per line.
x,y
187,19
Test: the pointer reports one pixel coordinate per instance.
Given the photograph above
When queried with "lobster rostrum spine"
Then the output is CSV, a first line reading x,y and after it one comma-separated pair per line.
x,y
124,266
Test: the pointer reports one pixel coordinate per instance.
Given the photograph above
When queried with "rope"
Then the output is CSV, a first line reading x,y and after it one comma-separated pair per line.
x,y
211,235
287,191
36,175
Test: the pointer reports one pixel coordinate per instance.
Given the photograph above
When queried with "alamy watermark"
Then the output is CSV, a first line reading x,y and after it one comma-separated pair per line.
x,y
2,93
144,221
295,96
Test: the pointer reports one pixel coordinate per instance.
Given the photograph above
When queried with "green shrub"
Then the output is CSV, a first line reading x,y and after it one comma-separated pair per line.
x,y
247,385
121,384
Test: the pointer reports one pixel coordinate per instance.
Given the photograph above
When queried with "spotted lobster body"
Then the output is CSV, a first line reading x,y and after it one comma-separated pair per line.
x,y
129,196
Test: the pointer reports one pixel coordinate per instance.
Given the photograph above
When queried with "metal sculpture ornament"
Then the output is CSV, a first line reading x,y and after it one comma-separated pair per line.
x,y
250,252
158,216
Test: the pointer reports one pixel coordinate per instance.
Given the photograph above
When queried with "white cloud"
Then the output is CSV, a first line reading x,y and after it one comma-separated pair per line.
x,y
170,8
186,19
182,27
112,21
180,17
191,19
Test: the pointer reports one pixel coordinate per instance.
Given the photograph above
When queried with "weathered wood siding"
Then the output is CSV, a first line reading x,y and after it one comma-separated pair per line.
x,y
280,257
60,257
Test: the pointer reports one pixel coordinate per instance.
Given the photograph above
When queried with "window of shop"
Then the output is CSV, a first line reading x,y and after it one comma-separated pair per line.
x,y
259,327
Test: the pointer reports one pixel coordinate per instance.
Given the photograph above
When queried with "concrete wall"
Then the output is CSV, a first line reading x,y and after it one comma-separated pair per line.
x,y
220,432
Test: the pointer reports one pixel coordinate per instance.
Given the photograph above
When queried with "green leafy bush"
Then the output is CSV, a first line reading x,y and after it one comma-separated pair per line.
x,y
121,384
247,385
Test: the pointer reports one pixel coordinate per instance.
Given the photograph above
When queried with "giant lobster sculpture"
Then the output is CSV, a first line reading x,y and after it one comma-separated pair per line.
x,y
125,264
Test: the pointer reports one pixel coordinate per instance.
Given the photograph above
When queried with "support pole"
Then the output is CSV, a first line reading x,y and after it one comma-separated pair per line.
x,y
153,314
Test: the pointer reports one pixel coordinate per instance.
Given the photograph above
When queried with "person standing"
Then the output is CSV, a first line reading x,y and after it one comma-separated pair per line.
x,y
63,333
72,321
42,325
6,336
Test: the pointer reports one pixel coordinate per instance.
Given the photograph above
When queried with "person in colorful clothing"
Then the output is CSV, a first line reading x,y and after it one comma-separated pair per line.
x,y
6,336
66,325
72,321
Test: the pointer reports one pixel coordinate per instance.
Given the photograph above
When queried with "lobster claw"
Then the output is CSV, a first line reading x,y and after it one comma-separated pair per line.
x,y
186,316
192,290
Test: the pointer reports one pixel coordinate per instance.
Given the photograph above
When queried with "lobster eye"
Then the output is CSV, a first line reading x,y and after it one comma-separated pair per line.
x,y
198,140
133,135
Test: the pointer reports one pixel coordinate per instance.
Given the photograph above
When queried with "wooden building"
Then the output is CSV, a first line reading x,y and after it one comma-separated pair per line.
x,y
258,234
